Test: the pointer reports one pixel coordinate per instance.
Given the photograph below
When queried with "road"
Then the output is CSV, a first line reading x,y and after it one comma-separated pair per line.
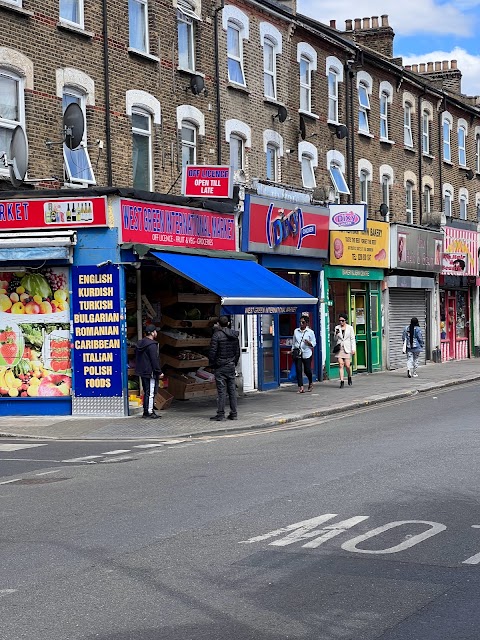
x,y
360,527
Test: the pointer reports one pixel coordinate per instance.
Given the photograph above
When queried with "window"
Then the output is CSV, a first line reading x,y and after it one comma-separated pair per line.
x,y
237,145
384,115
333,95
272,162
477,153
478,207
407,125
78,167
235,54
386,193
186,21
338,179
427,198
409,186
364,178
11,109
142,149
269,69
188,134
305,84
138,25
447,202
363,108
462,136
72,11
446,133
426,132
308,174
463,202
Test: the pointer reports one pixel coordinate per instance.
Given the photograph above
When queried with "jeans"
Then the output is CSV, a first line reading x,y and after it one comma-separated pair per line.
x,y
150,388
225,381
412,360
307,365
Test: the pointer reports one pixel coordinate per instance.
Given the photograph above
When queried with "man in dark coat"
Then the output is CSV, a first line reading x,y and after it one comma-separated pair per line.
x,y
223,356
147,366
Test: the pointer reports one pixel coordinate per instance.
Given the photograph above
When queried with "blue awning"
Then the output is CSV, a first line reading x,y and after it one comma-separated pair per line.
x,y
242,285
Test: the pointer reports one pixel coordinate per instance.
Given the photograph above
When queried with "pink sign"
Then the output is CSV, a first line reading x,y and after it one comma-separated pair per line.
x,y
207,181
165,225
460,257
52,214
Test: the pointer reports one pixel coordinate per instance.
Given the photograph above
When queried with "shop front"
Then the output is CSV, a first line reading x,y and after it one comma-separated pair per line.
x,y
410,289
458,293
353,285
291,241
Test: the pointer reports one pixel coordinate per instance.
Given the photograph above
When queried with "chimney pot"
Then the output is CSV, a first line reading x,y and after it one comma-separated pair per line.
x,y
358,24
445,65
333,24
384,20
438,66
453,64
423,67
348,25
374,22
408,67
366,23
415,68
429,67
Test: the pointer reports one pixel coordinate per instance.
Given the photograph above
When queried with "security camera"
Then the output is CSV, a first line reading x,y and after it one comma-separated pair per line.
x,y
105,263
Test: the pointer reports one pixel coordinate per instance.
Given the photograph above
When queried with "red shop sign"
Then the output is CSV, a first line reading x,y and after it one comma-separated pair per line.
x,y
166,225
56,213
207,181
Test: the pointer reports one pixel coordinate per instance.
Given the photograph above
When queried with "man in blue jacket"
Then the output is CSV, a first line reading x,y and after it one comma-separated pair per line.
x,y
223,356
147,366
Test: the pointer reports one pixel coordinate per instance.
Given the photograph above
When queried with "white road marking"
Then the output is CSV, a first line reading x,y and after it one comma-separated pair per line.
x,y
5,592
299,529
114,453
333,530
146,446
17,447
10,481
83,459
46,473
476,558
173,441
435,527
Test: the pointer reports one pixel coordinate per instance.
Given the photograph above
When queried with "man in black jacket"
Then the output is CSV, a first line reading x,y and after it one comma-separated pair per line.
x,y
223,356
147,366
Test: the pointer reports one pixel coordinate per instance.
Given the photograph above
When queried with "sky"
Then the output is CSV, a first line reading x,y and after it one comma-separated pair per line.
x,y
425,30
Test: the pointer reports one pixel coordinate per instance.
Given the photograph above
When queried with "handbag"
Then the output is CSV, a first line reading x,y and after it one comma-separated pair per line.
x,y
296,353
336,348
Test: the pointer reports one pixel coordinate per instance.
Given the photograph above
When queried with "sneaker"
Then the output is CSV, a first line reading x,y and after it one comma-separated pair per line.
x,y
152,416
415,375
218,418
232,416
409,374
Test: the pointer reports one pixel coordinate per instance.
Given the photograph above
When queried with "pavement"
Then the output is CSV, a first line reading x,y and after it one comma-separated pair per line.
x,y
255,410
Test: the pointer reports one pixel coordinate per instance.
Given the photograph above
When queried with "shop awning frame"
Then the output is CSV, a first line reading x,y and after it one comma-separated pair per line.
x,y
243,286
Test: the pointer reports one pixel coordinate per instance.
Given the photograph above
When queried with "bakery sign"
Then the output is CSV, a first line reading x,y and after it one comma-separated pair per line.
x,y
369,248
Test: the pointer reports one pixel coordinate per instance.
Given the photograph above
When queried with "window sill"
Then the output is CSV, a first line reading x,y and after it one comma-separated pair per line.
x,y
64,26
77,185
428,155
365,134
16,9
238,87
272,101
190,72
387,141
308,114
463,167
142,54
449,162
334,123
409,148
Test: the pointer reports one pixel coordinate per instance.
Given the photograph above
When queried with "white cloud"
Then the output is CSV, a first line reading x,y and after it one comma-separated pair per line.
x,y
407,18
468,64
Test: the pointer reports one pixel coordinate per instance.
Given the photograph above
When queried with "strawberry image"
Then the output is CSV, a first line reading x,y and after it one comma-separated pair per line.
x,y
9,351
10,334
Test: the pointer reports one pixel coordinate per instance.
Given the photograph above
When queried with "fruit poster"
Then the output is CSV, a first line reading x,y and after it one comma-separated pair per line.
x,y
35,333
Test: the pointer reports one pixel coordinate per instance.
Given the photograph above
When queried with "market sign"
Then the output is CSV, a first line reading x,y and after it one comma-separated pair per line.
x,y
415,249
348,217
278,227
170,226
460,255
369,248
207,181
97,323
55,213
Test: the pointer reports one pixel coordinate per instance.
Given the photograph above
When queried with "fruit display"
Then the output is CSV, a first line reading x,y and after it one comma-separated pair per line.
x,y
11,345
28,293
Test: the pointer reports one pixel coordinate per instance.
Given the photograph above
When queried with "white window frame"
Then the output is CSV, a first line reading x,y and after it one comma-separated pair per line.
x,y
385,99
270,36
365,172
144,133
386,184
364,91
447,122
9,124
270,74
407,125
308,159
333,69
336,168
237,59
427,198
233,17
273,141
462,132
306,54
240,145
409,190
186,15
81,97
477,149
426,132
186,144
463,203
80,23
273,151
448,195
144,4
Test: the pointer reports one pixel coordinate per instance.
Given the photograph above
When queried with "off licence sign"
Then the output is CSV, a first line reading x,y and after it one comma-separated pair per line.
x,y
207,181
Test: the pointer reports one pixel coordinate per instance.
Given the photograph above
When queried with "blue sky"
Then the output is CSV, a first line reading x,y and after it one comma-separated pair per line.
x,y
425,30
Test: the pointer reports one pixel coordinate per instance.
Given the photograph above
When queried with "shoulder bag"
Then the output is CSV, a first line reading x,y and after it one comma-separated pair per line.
x,y
296,351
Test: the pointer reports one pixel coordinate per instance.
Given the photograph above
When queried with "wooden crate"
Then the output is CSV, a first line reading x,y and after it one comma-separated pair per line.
x,y
163,399
183,390
184,344
183,364
191,324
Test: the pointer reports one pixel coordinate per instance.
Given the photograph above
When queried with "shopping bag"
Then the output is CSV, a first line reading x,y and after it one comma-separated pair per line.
x,y
292,376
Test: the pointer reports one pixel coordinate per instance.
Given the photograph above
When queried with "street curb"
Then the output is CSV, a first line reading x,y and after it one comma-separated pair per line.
x,y
321,413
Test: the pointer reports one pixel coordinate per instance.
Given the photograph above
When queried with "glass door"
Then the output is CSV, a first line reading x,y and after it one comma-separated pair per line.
x,y
268,365
358,312
375,331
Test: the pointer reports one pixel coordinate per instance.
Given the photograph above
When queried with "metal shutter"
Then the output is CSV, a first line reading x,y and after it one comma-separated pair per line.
x,y
404,304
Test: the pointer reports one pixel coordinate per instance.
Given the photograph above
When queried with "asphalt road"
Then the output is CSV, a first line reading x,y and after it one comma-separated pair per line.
x,y
363,527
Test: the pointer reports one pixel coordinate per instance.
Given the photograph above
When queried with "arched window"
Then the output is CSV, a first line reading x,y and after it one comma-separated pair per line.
x,y
365,178
336,168
477,152
308,158
273,147
236,24
78,168
364,89
186,32
334,71
307,60
188,137
238,135
446,135
447,200
386,93
409,188
407,125
142,148
12,110
427,198
462,131
463,203
427,118
386,183
271,41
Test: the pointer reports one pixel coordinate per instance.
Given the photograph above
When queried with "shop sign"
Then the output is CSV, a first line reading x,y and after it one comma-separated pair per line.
x,y
460,252
97,322
369,248
57,213
207,181
353,274
415,249
170,226
348,217
275,227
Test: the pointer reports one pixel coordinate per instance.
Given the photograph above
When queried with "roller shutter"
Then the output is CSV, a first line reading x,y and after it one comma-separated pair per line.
x,y
404,304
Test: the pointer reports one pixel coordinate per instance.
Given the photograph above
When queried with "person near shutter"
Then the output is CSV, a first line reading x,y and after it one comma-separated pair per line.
x,y
413,335
304,340
147,366
223,356
345,337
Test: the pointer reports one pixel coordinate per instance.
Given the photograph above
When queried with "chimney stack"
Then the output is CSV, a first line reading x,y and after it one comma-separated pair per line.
x,y
348,25
385,20
366,23
333,24
374,22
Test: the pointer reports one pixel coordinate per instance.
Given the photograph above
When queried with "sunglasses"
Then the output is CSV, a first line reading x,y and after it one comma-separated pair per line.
x,y
342,320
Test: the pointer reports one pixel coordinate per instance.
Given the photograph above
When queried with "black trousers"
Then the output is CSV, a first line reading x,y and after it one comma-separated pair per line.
x,y
150,388
225,381
306,364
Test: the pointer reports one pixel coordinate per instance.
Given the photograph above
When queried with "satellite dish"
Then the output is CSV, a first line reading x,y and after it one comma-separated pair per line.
x,y
73,125
469,174
18,161
303,128
282,113
341,131
197,84
383,210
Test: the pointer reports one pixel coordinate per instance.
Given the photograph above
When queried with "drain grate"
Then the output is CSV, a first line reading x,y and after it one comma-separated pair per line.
x,y
40,480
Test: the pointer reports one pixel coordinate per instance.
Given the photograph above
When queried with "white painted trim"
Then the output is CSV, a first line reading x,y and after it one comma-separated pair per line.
x,y
365,78
448,187
386,87
409,176
334,63
447,117
139,98
428,107
240,128
306,50
463,191
386,170
365,165
16,62
272,137
308,149
463,123
428,181
337,158
410,98
77,79
267,29
230,12
192,114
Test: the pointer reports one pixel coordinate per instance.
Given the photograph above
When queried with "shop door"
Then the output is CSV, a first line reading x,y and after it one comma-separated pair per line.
x,y
375,332
268,364
451,323
404,305
244,325
358,309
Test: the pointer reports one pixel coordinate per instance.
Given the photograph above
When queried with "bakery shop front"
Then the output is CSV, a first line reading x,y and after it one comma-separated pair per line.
x,y
353,281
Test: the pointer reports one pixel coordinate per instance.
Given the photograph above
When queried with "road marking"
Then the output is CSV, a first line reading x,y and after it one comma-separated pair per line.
x,y
333,530
476,558
83,459
146,446
18,447
10,481
114,453
435,527
299,529
46,473
5,592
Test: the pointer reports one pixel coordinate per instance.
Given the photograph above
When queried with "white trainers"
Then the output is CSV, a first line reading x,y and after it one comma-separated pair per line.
x,y
415,375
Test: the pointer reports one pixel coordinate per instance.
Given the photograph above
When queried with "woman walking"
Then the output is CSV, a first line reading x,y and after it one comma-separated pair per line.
x,y
303,344
344,348
412,345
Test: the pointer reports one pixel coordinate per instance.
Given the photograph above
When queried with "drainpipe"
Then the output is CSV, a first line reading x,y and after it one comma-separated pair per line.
x,y
217,81
349,125
353,186
106,79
